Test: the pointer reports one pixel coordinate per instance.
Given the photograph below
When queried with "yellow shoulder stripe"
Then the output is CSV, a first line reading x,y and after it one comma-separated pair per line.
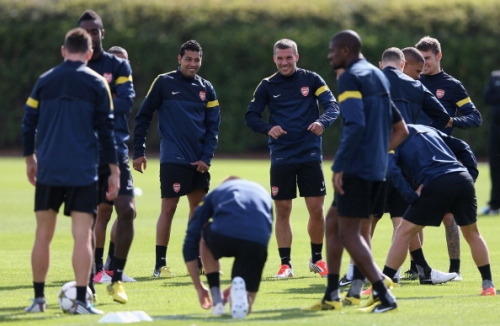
x,y
211,104
392,151
122,80
321,90
32,102
349,94
463,102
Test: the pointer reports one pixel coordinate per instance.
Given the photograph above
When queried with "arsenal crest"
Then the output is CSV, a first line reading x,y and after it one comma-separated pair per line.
x,y
176,187
108,76
274,190
439,93
304,91
203,95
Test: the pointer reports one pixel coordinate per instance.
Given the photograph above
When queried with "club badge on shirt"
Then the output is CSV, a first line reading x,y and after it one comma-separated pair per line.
x,y
108,76
203,95
439,93
304,91
177,187
274,190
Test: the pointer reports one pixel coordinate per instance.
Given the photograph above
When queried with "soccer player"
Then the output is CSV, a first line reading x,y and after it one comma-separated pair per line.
x,y
444,185
118,74
241,213
492,97
69,113
188,118
452,94
295,127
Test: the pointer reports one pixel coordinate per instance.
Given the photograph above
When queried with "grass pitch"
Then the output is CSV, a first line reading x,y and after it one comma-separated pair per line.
x,y
174,301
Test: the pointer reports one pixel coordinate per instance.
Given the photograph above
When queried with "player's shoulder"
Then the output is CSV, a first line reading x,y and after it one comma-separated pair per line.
x,y
495,73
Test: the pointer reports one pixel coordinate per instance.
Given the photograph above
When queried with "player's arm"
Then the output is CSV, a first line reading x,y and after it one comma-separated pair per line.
x,y
124,89
29,126
434,110
399,130
328,101
492,90
467,114
212,122
253,115
397,179
462,152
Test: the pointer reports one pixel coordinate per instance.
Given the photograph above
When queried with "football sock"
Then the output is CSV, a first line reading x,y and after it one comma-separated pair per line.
x,y
454,265
118,266
485,271
350,272
413,266
39,288
379,290
487,284
98,259
316,249
358,281
81,293
213,280
332,288
111,253
389,272
285,254
418,257
161,256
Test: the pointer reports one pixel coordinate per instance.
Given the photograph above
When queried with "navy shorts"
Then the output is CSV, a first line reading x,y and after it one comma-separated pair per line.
x,y
395,204
249,257
360,197
126,182
307,176
451,193
78,199
178,180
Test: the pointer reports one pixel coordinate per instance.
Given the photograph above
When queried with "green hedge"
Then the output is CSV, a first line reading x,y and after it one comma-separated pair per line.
x,y
237,37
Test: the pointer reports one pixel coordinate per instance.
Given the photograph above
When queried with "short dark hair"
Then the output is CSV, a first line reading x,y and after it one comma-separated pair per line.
x,y
284,44
349,39
91,15
393,54
428,43
190,45
118,49
77,40
412,53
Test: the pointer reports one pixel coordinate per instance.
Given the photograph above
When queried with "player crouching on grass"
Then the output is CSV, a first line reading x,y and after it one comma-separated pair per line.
x,y
241,226
446,184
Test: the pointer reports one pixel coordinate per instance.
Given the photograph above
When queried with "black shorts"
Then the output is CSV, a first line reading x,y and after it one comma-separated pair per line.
x,y
359,198
178,180
79,199
307,176
395,204
126,182
451,193
249,257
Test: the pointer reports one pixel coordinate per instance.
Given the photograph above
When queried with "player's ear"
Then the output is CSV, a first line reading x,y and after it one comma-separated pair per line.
x,y
63,51
179,59
439,55
102,33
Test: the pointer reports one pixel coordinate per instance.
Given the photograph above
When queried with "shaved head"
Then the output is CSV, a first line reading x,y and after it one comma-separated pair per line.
x,y
349,39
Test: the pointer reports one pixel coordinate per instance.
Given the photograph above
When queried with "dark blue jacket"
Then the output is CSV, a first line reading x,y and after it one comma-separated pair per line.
x,y
188,119
69,114
293,105
366,109
118,74
239,209
412,98
427,154
492,97
452,94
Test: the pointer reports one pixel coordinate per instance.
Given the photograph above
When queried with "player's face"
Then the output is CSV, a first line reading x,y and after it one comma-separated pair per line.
x,y
413,68
337,56
286,61
189,63
432,65
96,33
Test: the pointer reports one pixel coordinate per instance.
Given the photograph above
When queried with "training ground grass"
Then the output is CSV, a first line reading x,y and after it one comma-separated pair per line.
x,y
174,301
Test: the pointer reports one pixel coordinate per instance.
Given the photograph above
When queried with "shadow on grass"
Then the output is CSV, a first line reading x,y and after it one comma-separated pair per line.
x,y
255,316
17,314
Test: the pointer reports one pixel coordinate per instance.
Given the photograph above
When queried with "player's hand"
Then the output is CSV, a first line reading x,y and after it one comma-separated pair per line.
x,y
204,297
113,182
31,168
419,190
140,164
450,123
338,182
316,128
276,132
201,166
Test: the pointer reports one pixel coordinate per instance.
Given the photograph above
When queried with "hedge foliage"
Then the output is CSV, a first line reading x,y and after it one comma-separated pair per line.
x,y
237,37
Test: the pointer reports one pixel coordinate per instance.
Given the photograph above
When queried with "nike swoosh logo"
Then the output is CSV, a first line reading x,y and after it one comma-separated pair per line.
x,y
344,283
384,309
276,96
174,93
322,189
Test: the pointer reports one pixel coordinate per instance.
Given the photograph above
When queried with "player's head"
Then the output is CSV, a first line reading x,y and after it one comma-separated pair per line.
x,y
77,44
92,23
345,46
285,56
189,58
431,50
414,62
393,57
119,52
